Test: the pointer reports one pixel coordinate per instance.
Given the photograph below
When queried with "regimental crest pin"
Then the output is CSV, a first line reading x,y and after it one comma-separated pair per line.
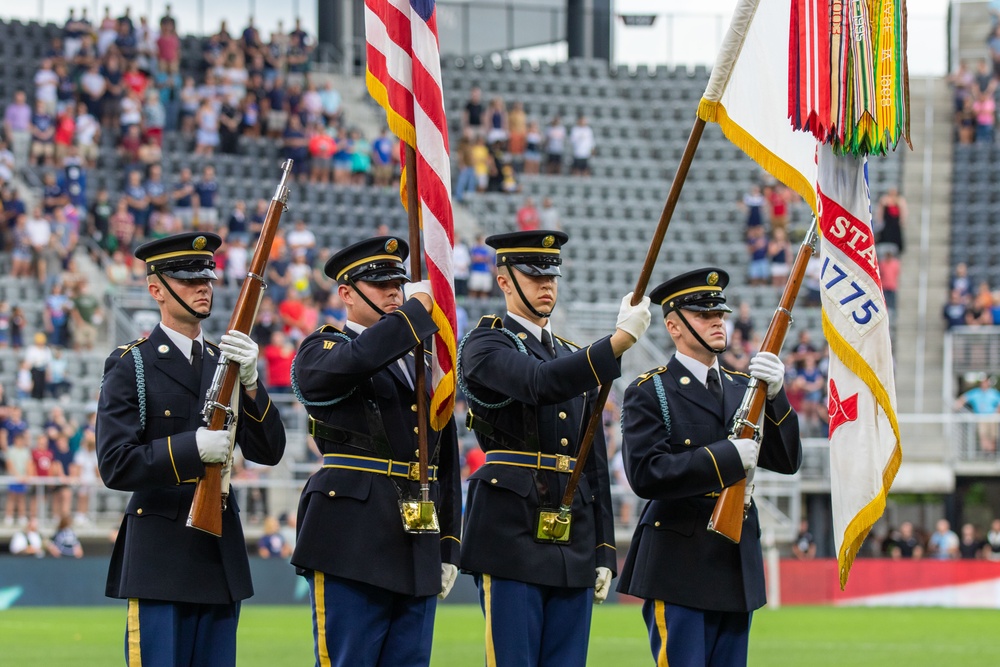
x,y
548,241
163,349
199,243
685,380
522,336
713,278
391,245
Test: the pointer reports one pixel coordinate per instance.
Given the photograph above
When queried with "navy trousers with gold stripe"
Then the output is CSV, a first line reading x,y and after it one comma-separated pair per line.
x,y
360,625
180,634
684,637
535,626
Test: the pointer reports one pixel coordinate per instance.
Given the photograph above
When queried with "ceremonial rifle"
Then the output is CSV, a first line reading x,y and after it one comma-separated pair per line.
x,y
733,504
555,525
209,497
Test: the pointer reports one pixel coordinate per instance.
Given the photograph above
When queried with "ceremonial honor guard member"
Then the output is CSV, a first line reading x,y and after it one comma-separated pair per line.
x,y
699,588
184,586
530,396
374,576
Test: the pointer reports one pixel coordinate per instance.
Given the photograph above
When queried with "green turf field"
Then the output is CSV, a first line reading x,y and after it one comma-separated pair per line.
x,y
800,636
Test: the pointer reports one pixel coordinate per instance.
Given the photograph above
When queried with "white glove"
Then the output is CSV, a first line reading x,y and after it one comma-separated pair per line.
x,y
768,368
748,492
747,448
239,347
633,320
603,585
448,574
213,446
422,287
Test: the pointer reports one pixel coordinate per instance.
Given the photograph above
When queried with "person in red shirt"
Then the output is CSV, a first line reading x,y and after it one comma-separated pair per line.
x,y
527,216
135,80
279,355
889,267
321,149
63,138
778,198
45,466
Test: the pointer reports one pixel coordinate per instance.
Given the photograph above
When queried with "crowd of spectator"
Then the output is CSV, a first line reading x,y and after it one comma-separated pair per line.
x,y
943,543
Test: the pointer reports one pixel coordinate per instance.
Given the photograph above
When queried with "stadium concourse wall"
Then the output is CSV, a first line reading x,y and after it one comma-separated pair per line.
x,y
30,582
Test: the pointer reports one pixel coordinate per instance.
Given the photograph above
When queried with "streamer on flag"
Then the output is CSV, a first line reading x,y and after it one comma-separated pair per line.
x,y
847,73
865,451
404,76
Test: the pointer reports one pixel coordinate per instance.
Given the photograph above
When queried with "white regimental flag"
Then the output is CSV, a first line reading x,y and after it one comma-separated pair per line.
x,y
865,452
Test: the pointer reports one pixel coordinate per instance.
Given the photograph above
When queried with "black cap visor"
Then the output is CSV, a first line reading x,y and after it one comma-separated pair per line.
x,y
377,272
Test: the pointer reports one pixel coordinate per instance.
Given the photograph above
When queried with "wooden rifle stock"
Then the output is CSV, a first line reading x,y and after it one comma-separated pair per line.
x,y
731,507
209,496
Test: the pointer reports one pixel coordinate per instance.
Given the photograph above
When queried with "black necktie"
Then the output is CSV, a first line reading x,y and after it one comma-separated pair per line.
x,y
196,355
713,384
547,342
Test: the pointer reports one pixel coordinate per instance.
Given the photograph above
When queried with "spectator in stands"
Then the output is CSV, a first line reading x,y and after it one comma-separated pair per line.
x,y
301,238
812,382
168,48
970,545
481,269
473,115
17,128
138,201
992,547
889,268
183,197
752,205
759,267
779,251
985,109
18,323
190,101
955,310
27,541
737,355
943,543
361,158
890,216
86,316
985,81
207,122
517,134
343,159
555,145
583,143
122,227
65,542
904,543
267,322
43,131
496,121
779,199
461,261
743,322
46,86
230,122
983,399
154,117
296,147
56,315
532,162
20,466
980,306
62,471
549,217
53,194
279,355
4,344
38,355
321,149
804,546
527,216
381,155
271,544
206,190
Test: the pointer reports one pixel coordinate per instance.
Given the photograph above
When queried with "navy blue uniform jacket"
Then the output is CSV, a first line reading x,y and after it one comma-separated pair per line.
x,y
673,557
156,556
553,398
349,524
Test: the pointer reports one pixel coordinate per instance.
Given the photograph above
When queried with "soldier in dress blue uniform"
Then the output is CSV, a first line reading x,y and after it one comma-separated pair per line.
x,y
530,396
374,584
183,586
700,589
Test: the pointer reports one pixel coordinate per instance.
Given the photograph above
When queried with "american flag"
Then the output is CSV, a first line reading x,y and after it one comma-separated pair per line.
x,y
404,76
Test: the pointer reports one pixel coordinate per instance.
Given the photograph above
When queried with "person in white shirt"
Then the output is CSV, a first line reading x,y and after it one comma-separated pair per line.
x,y
46,83
27,542
581,139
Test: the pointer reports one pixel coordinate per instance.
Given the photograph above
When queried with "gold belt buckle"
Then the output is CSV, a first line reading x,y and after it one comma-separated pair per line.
x,y
562,462
414,472
312,426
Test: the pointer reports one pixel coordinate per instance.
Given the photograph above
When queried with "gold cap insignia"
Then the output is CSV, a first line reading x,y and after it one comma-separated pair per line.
x,y
199,243
391,245
685,380
713,278
548,241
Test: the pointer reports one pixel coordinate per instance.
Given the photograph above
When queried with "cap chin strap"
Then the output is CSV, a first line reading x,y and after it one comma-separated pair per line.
x,y
192,311
364,297
524,299
699,338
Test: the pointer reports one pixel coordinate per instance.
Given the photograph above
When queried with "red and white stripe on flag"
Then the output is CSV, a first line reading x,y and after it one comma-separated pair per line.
x,y
865,452
404,76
